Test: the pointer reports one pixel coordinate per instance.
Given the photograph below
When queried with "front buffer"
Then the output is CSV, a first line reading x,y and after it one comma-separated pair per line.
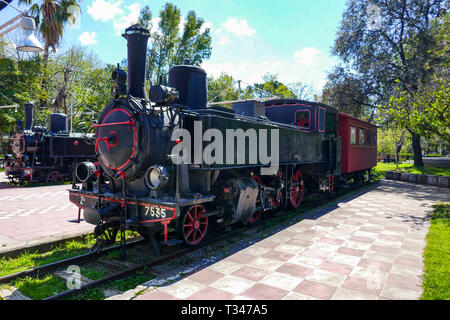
x,y
113,211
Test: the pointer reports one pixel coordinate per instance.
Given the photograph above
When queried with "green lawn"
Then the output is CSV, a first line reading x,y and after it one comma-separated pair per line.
x,y
381,169
436,284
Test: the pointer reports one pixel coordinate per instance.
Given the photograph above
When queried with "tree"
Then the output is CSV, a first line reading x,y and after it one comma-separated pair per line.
x,y
393,140
19,83
168,46
302,91
222,88
348,94
427,109
385,45
271,87
79,79
51,16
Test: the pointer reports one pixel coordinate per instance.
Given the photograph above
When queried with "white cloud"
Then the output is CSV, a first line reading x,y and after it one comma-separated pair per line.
x,y
252,70
240,28
306,56
105,10
206,25
224,41
88,38
127,20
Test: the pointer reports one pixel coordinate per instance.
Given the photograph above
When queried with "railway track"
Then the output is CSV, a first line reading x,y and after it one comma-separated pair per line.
x,y
44,269
173,253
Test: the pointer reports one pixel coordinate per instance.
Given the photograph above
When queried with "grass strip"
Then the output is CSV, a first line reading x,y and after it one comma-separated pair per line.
x,y
436,284
381,169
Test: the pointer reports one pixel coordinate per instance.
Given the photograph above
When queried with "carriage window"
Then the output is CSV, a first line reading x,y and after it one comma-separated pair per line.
x,y
302,119
368,137
352,135
361,136
374,141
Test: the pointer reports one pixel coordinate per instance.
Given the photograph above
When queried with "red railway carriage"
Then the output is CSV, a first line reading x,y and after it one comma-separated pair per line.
x,y
359,144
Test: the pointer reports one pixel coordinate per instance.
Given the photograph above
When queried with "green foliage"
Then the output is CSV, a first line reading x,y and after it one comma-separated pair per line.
x,y
425,111
78,77
381,169
386,59
168,46
28,260
222,88
348,93
72,76
390,139
20,81
271,87
436,282
132,282
39,289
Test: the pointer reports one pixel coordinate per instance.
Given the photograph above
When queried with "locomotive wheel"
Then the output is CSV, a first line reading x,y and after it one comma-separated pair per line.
x,y
54,177
192,226
256,217
277,202
296,195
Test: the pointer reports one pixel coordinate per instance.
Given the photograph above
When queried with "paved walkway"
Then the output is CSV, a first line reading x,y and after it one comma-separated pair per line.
x,y
369,247
34,215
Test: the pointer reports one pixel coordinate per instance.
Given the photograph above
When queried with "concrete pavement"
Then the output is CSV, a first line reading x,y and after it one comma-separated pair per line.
x,y
34,215
369,247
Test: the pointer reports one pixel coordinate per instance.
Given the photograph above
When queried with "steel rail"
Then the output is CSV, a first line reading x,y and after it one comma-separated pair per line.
x,y
48,267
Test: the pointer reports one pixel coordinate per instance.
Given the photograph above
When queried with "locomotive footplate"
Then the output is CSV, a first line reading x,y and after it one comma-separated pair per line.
x,y
149,210
23,173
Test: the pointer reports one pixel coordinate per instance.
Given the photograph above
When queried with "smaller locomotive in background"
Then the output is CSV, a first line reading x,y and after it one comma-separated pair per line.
x,y
37,154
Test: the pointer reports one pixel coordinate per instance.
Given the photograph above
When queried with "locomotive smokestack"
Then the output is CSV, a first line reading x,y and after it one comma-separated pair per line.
x,y
29,115
137,38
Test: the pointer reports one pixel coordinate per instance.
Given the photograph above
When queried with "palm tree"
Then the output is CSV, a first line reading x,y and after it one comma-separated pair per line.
x,y
51,16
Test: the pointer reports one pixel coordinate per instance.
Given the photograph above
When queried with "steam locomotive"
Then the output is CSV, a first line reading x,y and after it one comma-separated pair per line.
x,y
40,155
170,160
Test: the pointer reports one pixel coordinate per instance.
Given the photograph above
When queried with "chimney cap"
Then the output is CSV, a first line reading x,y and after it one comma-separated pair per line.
x,y
136,29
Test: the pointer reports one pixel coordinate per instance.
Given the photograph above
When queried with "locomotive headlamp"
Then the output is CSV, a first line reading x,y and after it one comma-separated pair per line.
x,y
84,171
156,177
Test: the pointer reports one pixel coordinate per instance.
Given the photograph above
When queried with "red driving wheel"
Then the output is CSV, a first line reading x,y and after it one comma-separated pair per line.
x,y
54,177
296,195
194,225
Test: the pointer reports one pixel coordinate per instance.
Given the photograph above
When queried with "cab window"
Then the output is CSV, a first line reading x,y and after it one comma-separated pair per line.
x,y
302,119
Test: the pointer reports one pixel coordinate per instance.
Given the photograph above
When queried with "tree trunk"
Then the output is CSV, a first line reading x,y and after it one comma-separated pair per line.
x,y
417,149
45,56
398,148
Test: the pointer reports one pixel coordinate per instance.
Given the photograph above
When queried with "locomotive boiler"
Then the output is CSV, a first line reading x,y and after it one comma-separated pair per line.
x,y
168,159
38,154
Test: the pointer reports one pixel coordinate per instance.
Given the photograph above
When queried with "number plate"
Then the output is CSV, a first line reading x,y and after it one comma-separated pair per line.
x,y
152,213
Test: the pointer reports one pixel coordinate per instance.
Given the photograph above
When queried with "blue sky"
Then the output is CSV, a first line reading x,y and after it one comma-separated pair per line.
x,y
291,38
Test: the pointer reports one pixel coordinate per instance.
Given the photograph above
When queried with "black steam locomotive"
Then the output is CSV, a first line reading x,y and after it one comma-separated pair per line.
x,y
171,160
41,155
